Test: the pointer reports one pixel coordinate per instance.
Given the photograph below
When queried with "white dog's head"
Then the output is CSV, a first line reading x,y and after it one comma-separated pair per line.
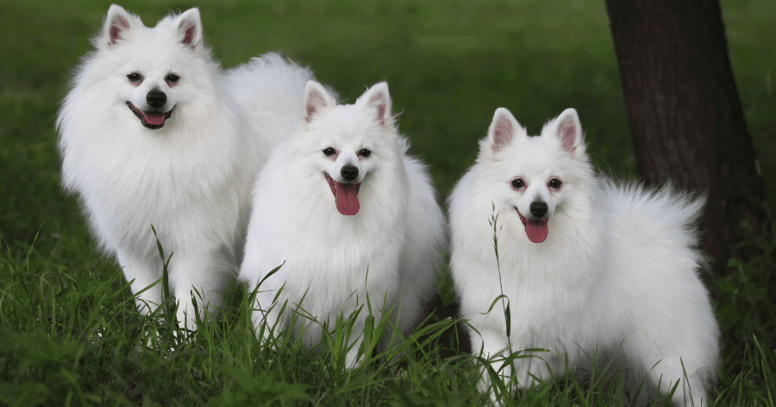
x,y
344,144
534,175
153,71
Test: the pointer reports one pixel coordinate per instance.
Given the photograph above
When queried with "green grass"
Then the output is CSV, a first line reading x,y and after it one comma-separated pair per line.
x,y
69,333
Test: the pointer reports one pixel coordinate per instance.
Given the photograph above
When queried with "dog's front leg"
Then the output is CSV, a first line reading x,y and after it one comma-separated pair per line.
x,y
493,348
200,277
144,275
530,370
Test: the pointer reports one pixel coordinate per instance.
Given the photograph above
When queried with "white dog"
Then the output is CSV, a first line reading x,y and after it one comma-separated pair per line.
x,y
590,268
152,132
348,214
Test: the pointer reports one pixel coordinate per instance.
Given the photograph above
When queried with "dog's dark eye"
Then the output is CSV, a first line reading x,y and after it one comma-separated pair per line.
x,y
171,79
364,153
135,77
518,183
329,152
555,183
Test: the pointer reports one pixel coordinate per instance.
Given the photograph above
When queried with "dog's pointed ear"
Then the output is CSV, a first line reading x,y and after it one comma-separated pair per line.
x,y
502,132
189,26
117,23
378,98
568,131
316,99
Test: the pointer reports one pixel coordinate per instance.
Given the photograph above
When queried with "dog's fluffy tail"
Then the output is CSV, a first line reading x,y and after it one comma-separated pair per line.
x,y
638,209
270,89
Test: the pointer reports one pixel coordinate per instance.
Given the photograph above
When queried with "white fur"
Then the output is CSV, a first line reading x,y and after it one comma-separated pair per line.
x,y
335,261
189,179
616,277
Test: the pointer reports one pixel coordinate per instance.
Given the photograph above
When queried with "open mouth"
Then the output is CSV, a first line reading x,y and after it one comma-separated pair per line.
x,y
151,118
536,229
345,195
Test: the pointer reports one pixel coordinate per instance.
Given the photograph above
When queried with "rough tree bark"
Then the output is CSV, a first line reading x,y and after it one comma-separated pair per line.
x,y
685,114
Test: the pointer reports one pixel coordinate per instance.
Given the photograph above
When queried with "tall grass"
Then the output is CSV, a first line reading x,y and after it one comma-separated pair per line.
x,y
77,339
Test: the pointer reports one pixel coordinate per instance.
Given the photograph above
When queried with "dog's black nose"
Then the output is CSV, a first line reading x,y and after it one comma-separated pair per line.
x,y
538,208
156,98
349,172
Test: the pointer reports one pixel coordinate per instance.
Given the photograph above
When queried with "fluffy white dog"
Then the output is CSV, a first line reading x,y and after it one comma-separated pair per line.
x,y
591,268
349,215
152,132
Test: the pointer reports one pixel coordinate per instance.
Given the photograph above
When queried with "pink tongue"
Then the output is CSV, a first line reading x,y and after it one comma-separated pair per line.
x,y
347,198
154,118
536,230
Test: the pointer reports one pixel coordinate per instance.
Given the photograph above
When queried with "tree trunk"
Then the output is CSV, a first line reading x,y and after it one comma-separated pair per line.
x,y
685,115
